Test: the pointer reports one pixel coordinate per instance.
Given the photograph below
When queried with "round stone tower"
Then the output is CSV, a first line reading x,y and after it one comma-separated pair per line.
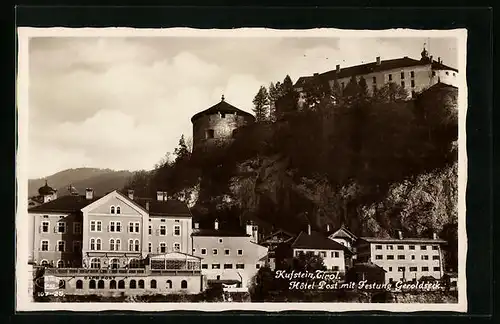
x,y
215,126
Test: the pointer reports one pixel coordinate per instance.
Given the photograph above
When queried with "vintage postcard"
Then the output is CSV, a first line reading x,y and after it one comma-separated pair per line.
x,y
244,169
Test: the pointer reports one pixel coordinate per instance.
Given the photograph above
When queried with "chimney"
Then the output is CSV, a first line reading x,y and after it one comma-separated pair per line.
x,y
328,228
337,68
216,224
378,60
400,235
160,196
434,236
308,229
249,228
147,205
439,59
431,58
89,193
131,194
196,227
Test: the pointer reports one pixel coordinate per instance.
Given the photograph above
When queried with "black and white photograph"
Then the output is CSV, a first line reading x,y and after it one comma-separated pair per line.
x,y
244,169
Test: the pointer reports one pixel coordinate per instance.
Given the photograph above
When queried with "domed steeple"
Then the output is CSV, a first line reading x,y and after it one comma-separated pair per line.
x,y
424,55
46,190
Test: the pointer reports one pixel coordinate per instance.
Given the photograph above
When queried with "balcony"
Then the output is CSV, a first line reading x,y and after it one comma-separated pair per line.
x,y
119,272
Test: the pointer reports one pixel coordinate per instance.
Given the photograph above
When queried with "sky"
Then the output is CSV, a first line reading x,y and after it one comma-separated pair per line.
x,y
123,103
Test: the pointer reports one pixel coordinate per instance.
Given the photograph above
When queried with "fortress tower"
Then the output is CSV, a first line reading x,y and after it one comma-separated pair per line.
x,y
215,126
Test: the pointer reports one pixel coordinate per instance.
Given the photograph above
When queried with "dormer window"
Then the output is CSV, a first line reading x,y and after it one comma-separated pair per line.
x,y
112,209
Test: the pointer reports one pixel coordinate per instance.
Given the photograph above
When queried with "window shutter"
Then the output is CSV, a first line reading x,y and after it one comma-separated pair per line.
x,y
55,229
157,232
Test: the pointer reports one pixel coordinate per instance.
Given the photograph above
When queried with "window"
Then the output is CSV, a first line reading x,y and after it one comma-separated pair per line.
x,y
112,227
152,284
257,266
390,77
401,247
112,244
214,251
447,73
118,210
240,266
141,284
79,284
402,84
435,257
335,268
413,269
118,226
433,73
134,264
389,247
374,88
413,83
437,269
177,230
378,257
220,240
228,266
204,266
169,284
61,246
115,263
390,268
184,284
435,247
209,133
112,209
44,263
92,284
77,246
226,251
45,245
95,263
335,254
112,284
240,252
61,227
121,284
163,230
401,257
98,226
163,247
323,254
149,230
402,75
425,268
136,244
100,284
378,247
177,246
425,257
131,245
374,79
45,227
412,74
203,251
163,220
149,247
413,257
401,269
412,247
132,284
215,266
92,244
98,244
137,227
390,257
60,264
423,247
131,227
117,245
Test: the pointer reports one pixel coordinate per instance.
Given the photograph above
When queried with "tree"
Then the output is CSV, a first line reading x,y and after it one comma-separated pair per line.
x,y
390,92
351,91
274,95
287,85
261,105
315,91
182,152
308,262
337,92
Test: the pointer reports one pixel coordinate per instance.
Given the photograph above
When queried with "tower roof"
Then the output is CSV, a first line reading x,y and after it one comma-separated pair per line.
x,y
46,190
222,107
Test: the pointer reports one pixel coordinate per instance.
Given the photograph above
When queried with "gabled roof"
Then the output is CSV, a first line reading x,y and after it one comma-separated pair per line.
x,y
164,208
343,232
269,237
367,68
222,107
64,204
315,241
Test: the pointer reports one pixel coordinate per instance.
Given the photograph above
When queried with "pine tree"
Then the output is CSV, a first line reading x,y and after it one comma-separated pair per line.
x,y
273,97
351,91
261,105
363,89
181,152
287,85
337,92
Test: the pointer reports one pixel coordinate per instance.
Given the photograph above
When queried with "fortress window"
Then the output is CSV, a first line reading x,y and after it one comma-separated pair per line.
x,y
209,133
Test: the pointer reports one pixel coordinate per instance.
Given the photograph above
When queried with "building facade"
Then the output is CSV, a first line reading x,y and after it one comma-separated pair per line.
x,y
403,259
229,257
412,75
216,125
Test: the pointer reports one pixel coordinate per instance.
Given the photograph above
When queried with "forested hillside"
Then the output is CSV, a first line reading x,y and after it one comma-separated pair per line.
x,y
376,163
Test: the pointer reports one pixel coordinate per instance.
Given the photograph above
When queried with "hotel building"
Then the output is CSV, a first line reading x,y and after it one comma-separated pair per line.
x,y
403,259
